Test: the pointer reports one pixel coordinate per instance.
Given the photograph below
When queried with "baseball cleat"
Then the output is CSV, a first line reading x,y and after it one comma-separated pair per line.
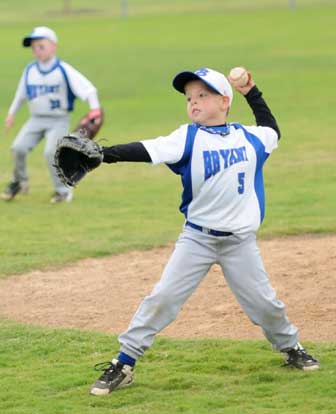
x,y
59,198
115,376
13,188
299,358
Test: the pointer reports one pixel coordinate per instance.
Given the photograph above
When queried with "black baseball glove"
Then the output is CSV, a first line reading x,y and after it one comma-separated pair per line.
x,y
75,156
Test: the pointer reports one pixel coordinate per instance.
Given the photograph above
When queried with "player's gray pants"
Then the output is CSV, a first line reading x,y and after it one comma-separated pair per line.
x,y
32,132
193,256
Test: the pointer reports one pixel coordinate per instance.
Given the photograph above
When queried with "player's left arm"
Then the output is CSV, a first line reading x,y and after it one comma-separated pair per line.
x,y
132,152
164,149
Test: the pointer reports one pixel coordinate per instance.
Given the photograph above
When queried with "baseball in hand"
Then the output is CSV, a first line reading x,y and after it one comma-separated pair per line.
x,y
239,76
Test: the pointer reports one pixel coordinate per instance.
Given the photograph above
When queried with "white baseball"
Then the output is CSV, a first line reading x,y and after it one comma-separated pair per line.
x,y
239,76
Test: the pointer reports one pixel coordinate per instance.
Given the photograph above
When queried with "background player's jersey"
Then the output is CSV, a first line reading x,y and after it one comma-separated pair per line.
x,y
51,92
222,177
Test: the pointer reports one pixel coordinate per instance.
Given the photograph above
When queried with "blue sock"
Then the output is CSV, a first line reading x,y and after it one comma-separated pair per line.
x,y
126,359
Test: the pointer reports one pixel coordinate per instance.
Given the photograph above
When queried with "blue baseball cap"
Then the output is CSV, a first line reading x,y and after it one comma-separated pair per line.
x,y
41,32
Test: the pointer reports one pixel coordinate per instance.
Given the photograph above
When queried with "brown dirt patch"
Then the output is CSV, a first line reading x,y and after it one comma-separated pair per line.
x,y
103,294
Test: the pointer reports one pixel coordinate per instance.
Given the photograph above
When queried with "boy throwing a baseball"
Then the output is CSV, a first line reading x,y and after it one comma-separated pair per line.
x,y
50,87
223,203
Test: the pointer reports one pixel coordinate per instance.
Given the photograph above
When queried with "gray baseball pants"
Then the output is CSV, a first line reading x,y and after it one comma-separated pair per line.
x,y
32,132
194,253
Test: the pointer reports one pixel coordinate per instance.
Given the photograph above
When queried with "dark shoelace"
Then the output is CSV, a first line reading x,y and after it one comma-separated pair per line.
x,y
107,368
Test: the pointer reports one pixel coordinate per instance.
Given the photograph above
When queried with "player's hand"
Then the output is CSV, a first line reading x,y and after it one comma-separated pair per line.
x,y
9,122
244,90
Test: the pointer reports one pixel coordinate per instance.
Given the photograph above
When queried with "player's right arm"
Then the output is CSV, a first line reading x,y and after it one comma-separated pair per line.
x,y
9,121
262,112
19,99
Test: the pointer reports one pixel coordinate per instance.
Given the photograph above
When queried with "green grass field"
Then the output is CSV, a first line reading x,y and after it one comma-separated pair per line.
x,y
132,63
121,207
50,371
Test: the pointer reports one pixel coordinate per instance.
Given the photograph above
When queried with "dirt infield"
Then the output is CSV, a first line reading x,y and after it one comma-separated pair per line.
x,y
102,294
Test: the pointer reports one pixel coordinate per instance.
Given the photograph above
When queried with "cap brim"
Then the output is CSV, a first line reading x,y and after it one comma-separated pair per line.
x,y
26,42
182,78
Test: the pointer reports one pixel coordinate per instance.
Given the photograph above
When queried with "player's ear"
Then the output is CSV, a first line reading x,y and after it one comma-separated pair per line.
x,y
225,102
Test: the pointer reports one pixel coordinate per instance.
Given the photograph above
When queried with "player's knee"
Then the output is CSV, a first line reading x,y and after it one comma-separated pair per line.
x,y
19,151
49,153
164,302
163,298
272,310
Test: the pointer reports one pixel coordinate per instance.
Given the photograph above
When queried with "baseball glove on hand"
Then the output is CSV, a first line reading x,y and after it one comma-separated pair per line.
x,y
75,156
90,124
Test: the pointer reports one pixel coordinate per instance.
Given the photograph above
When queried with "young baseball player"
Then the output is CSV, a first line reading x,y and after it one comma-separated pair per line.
x,y
50,87
223,203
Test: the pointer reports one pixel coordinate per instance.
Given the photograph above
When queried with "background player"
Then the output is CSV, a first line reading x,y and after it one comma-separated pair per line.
x,y
223,202
50,87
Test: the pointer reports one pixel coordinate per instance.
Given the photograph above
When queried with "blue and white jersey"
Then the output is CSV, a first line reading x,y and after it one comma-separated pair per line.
x,y
221,172
51,90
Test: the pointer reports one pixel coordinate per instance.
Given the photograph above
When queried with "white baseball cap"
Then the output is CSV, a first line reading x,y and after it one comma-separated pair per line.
x,y
41,32
213,79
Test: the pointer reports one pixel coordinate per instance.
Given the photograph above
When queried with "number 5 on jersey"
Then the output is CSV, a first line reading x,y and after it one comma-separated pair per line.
x,y
241,182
